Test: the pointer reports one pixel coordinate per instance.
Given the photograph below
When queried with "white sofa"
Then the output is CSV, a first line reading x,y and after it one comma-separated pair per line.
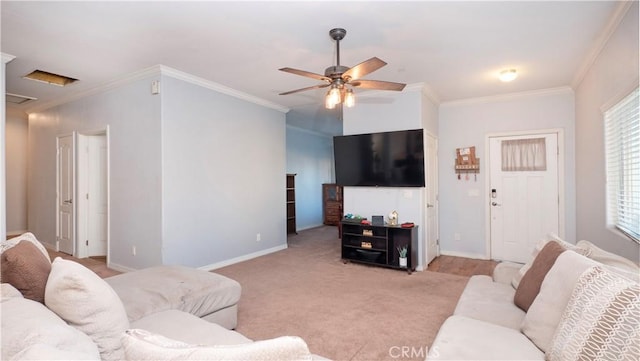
x,y
572,308
154,314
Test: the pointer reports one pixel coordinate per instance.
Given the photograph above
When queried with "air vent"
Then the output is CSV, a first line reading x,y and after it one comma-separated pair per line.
x,y
50,78
18,99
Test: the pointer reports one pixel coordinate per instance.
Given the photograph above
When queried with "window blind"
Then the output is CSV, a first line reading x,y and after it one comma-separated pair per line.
x,y
622,147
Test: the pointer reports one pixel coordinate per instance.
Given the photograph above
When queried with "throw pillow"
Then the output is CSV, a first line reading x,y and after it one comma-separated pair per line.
x,y
29,237
532,280
515,281
607,258
544,314
26,323
25,268
89,304
601,321
144,345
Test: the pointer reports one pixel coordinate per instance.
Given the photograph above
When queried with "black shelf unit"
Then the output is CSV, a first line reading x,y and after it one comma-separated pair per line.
x,y
378,245
291,204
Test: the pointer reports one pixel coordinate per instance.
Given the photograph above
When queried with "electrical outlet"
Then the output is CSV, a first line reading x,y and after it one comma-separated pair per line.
x,y
133,250
258,237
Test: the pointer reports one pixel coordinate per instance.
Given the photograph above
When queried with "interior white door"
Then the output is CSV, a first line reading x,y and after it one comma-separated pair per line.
x,y
65,194
97,196
432,199
524,203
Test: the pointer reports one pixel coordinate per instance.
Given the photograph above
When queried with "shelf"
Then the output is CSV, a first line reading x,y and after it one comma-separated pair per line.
x,y
384,245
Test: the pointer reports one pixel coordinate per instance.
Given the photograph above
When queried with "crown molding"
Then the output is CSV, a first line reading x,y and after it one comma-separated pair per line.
x,y
118,82
156,70
509,96
7,57
428,92
309,131
189,78
601,41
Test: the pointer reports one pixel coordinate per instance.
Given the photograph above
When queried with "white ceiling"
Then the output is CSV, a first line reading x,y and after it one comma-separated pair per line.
x,y
455,48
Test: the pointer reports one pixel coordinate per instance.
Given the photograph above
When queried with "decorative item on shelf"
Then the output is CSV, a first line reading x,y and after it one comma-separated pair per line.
x,y
402,256
466,162
367,232
393,218
364,244
377,220
354,218
407,225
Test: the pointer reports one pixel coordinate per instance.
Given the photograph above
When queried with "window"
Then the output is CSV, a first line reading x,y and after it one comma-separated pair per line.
x,y
622,146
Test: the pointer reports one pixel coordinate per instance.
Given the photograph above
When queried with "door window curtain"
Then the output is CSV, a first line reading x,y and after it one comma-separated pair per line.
x,y
524,155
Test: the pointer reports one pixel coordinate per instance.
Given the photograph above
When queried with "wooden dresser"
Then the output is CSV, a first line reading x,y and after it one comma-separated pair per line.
x,y
332,204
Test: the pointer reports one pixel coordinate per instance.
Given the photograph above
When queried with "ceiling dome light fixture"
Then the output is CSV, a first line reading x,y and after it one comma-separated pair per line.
x,y
508,75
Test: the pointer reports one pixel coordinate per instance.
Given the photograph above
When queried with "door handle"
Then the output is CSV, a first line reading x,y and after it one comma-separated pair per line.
x,y
69,201
429,205
495,204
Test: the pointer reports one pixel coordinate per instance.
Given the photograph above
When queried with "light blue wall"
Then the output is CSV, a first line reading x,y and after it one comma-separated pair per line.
x,y
463,204
613,75
310,156
133,116
223,171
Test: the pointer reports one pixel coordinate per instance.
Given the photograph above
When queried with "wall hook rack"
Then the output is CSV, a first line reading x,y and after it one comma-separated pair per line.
x,y
466,162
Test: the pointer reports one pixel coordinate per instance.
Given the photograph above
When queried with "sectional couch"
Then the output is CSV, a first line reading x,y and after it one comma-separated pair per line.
x,y
569,302
62,310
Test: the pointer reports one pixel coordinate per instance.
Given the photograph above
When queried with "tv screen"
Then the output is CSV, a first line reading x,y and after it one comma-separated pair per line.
x,y
389,159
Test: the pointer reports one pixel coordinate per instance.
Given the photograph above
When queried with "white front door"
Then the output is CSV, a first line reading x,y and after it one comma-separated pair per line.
x,y
524,201
431,232
65,194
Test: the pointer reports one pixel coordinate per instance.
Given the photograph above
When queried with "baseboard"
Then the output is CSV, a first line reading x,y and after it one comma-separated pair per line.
x,y
119,267
246,257
463,254
11,234
309,227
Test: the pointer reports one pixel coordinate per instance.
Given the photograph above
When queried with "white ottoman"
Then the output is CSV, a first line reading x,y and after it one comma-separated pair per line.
x,y
210,296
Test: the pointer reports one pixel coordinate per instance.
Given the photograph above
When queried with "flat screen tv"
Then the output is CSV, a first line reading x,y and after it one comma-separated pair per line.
x,y
389,159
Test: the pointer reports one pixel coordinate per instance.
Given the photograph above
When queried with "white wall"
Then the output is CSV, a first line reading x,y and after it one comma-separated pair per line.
x,y
223,172
613,75
387,112
16,133
133,116
310,156
467,123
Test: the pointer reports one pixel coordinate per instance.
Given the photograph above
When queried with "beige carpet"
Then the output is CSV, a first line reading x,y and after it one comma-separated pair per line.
x,y
343,311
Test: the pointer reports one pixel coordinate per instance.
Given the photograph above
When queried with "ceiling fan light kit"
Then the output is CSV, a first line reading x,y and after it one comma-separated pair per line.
x,y
342,79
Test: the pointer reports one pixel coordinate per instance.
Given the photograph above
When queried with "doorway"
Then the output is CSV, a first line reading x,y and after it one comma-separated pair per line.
x,y
83,192
65,186
525,195
431,206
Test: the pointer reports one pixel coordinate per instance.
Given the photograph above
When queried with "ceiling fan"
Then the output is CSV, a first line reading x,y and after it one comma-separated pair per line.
x,y
341,79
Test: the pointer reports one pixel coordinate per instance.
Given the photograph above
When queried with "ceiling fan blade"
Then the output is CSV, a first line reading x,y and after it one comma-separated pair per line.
x,y
307,88
378,84
364,68
305,73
